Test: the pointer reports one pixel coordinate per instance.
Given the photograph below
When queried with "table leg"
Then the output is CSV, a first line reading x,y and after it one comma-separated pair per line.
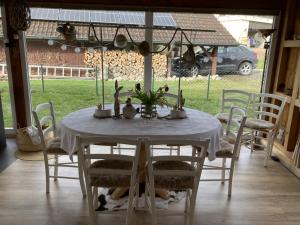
x,y
120,191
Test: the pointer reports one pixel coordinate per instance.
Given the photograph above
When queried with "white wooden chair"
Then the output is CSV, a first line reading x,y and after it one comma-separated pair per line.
x,y
232,97
267,111
175,173
232,127
51,147
109,170
229,150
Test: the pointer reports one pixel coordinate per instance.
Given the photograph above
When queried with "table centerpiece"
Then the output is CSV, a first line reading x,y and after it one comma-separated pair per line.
x,y
149,99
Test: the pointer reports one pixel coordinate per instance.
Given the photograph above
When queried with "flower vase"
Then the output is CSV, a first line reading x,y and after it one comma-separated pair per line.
x,y
148,111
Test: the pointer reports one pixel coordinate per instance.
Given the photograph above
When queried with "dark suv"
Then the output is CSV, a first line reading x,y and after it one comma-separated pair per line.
x,y
231,59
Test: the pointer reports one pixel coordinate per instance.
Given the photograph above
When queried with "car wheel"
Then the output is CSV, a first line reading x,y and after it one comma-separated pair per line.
x,y
194,71
245,68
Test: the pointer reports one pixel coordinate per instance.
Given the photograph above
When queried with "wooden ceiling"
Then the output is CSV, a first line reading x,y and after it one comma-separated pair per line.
x,y
208,6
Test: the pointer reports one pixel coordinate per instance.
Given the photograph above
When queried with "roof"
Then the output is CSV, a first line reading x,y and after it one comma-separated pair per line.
x,y
43,29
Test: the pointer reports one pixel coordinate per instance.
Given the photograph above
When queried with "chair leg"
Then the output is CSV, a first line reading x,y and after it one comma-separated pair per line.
x,y
230,177
152,200
192,207
81,178
252,140
171,150
223,170
268,149
47,172
92,213
137,194
239,151
95,197
178,150
130,205
55,167
187,201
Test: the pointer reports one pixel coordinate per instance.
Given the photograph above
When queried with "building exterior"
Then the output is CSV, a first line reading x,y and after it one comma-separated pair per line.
x,y
43,28
245,29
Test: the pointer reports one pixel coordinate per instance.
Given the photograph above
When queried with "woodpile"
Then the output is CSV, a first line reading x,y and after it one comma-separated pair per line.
x,y
126,65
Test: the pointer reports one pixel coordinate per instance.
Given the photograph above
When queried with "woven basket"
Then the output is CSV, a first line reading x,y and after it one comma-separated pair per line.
x,y
24,142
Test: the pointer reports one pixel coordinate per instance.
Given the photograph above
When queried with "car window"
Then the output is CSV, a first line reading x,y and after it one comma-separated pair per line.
x,y
221,50
234,50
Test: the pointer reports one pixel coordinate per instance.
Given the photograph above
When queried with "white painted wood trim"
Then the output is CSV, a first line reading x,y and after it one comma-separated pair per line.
x,y
9,73
148,59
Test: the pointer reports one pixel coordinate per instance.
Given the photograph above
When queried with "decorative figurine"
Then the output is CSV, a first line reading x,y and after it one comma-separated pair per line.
x,y
178,111
128,110
117,101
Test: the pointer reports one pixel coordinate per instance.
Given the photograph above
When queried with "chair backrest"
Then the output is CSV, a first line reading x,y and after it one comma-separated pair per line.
x,y
236,115
232,97
268,105
197,159
125,94
85,156
46,123
235,124
172,97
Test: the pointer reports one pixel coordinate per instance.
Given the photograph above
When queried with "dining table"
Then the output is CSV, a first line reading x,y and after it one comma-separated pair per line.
x,y
196,125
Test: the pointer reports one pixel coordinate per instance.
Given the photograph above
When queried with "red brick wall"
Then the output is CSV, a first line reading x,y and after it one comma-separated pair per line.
x,y
39,52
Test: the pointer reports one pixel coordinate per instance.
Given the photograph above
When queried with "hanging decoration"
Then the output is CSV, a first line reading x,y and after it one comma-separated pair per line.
x,y
20,17
189,56
144,48
120,41
67,31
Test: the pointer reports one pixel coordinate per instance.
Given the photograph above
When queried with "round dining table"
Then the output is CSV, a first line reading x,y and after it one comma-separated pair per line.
x,y
197,124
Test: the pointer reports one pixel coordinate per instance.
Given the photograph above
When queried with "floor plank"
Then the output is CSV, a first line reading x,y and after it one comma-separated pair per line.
x,y
260,196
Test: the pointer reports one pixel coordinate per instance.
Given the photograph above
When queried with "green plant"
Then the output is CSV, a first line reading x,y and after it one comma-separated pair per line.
x,y
149,98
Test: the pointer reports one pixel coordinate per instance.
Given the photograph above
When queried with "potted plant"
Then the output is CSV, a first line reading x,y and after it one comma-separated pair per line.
x,y
149,99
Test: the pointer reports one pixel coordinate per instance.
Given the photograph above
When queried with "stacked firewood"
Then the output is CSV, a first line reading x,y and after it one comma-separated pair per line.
x,y
126,65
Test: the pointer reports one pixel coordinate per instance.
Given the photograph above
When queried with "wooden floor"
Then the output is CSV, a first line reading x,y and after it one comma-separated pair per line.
x,y
261,196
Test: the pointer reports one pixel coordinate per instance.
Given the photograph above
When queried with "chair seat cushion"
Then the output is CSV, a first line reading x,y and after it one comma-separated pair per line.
x,y
258,124
53,146
222,117
173,182
226,149
110,180
230,137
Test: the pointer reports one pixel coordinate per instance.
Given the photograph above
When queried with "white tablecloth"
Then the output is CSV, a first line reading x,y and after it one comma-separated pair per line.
x,y
197,125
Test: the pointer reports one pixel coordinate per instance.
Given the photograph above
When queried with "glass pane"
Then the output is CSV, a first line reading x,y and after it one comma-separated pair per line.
x,y
238,67
4,89
71,75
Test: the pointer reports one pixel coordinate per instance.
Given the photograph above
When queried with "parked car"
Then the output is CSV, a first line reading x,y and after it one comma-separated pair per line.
x,y
231,59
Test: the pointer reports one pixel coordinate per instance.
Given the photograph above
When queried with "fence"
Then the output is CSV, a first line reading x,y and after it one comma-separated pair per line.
x,y
36,71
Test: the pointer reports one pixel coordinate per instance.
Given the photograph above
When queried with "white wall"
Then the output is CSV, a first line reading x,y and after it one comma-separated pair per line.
x,y
238,29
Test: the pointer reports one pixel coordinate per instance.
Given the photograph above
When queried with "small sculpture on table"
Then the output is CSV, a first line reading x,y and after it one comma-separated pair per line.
x,y
128,110
178,111
117,101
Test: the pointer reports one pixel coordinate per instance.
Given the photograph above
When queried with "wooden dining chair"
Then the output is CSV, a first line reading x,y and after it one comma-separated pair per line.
x,y
46,126
230,146
232,127
267,112
233,97
175,173
109,171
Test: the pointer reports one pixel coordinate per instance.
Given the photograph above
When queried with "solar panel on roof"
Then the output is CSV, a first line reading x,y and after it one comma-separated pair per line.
x,y
103,16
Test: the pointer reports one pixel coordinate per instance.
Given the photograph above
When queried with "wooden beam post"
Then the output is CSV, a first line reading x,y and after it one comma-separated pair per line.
x,y
16,65
214,60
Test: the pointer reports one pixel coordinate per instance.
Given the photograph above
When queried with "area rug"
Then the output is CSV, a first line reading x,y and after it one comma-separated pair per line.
x,y
106,203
